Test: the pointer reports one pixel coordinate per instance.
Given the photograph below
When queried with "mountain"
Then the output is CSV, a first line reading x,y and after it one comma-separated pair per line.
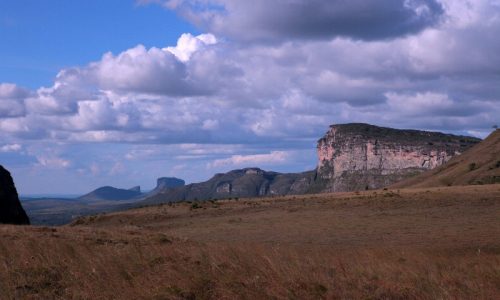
x,y
11,210
167,183
360,156
351,157
478,165
111,193
249,182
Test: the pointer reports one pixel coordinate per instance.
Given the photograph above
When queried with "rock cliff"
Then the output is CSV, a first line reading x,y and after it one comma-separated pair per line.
x,y
168,182
361,156
11,211
478,165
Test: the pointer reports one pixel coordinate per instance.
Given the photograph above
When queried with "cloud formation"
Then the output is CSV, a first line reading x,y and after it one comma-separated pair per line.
x,y
275,157
280,20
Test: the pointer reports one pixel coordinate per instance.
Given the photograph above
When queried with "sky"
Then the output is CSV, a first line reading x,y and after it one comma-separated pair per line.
x,y
121,92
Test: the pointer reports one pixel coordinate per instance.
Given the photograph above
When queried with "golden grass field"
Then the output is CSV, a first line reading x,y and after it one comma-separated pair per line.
x,y
429,243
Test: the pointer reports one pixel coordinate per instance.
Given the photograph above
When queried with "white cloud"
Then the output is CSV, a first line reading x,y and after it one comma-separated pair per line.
x,y
188,44
275,157
11,148
420,103
52,162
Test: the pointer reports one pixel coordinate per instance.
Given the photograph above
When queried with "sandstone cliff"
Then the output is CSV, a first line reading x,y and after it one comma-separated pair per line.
x,y
361,156
478,165
11,211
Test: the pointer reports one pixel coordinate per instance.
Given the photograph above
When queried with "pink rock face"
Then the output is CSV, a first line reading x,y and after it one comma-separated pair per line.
x,y
370,156
365,152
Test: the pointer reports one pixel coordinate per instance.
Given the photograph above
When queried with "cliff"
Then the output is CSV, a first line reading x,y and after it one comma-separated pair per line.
x,y
168,182
361,156
11,211
478,165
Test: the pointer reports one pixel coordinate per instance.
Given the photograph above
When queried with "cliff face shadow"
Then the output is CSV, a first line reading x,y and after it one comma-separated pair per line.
x,y
11,211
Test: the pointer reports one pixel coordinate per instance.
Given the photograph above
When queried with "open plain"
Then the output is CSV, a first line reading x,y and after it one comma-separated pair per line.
x,y
427,243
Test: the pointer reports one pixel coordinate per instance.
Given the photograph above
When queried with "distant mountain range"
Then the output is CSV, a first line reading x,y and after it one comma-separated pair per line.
x,y
351,157
249,182
109,193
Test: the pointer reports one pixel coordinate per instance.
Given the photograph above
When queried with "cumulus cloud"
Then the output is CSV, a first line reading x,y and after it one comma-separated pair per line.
x,y
12,100
188,44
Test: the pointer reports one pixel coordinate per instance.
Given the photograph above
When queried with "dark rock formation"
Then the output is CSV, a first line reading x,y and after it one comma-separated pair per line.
x,y
111,193
168,182
250,182
362,156
11,211
135,189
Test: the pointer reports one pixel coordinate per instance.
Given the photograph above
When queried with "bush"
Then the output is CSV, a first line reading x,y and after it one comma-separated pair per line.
x,y
195,205
472,166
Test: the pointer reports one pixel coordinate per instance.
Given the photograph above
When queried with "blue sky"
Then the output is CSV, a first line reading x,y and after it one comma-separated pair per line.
x,y
120,93
39,38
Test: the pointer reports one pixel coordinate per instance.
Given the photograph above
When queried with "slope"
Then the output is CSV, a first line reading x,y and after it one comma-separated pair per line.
x,y
111,193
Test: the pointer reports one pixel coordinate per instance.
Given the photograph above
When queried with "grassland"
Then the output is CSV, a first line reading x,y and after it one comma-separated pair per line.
x,y
430,243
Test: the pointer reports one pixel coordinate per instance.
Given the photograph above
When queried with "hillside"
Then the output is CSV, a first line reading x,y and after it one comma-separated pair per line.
x,y
432,243
478,165
111,193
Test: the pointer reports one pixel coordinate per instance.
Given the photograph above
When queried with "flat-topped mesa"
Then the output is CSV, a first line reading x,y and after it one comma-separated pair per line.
x,y
361,156
168,182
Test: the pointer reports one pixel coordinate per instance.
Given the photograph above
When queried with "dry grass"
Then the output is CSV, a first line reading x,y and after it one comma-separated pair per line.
x,y
412,244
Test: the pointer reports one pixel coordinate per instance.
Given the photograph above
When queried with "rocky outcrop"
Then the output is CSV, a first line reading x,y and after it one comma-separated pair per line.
x,y
249,182
135,189
362,156
11,211
168,182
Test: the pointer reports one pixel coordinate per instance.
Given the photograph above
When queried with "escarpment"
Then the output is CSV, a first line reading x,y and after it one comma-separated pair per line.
x,y
361,156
